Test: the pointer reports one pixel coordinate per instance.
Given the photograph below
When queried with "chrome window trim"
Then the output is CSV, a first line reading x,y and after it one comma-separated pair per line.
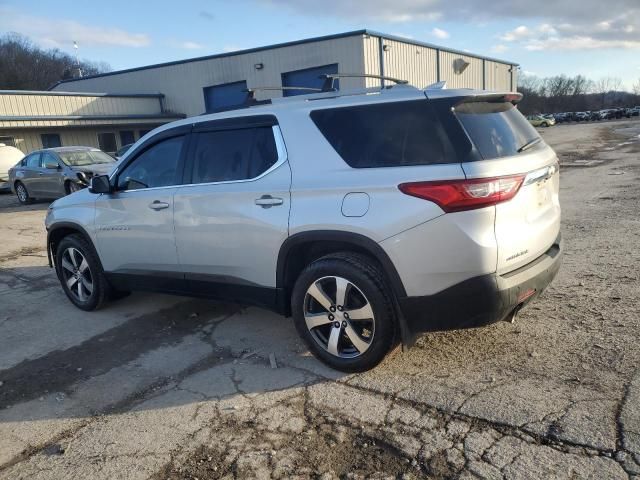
x,y
282,158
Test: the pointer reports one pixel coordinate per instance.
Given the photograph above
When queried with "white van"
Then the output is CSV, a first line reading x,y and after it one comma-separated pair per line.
x,y
9,156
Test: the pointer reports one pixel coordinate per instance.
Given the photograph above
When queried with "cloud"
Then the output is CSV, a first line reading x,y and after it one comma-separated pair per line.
x,y
231,48
565,24
439,33
517,33
207,15
500,48
190,45
61,33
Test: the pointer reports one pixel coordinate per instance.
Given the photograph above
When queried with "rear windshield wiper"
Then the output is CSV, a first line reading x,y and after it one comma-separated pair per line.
x,y
529,144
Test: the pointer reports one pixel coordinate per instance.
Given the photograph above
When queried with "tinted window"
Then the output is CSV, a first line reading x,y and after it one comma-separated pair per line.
x,y
155,167
386,134
227,155
32,160
496,129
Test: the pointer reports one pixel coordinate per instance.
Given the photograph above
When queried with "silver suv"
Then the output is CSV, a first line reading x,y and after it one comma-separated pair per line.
x,y
368,216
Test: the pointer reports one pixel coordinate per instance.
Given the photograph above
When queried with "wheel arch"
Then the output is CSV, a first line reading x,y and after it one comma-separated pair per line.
x,y
60,230
302,248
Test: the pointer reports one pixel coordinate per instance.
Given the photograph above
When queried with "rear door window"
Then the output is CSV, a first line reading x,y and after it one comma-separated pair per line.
x,y
497,129
386,134
236,154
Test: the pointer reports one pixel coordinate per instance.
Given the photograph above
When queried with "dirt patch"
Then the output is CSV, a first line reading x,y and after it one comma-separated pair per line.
x,y
321,450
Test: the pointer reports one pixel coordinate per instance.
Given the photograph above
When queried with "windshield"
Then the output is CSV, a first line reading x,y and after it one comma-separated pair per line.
x,y
80,158
497,129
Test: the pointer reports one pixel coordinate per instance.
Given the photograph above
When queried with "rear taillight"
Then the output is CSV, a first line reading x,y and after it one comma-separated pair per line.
x,y
458,195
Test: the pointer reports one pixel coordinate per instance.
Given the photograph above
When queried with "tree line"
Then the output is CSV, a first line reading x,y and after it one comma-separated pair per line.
x,y
25,66
562,93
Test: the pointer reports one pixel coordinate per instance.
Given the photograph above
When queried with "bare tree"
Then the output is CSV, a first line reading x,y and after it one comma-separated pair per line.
x,y
25,66
636,87
606,88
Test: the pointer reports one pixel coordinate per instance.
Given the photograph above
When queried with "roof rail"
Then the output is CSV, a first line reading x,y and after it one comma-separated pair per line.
x,y
329,79
308,89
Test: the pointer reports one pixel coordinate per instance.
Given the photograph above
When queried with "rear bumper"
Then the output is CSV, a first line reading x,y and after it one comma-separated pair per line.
x,y
482,300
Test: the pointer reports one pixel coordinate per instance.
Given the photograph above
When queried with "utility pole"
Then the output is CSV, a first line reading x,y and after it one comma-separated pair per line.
x,y
75,46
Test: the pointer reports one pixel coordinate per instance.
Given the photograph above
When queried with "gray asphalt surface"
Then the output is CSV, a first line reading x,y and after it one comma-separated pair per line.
x,y
168,387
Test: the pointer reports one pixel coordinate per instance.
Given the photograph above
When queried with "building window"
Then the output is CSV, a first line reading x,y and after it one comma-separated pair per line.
x,y
309,78
50,140
107,142
219,97
126,137
9,141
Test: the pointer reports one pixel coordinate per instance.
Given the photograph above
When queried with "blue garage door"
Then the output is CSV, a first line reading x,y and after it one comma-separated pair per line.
x,y
309,77
217,97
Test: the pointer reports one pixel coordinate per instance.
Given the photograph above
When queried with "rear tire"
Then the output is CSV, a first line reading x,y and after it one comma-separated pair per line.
x,y
23,194
352,326
80,273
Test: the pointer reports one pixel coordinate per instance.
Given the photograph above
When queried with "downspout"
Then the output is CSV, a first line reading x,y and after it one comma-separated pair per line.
x,y
437,64
381,60
484,74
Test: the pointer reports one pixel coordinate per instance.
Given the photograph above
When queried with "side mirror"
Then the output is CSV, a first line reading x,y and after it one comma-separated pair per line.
x,y
100,184
51,165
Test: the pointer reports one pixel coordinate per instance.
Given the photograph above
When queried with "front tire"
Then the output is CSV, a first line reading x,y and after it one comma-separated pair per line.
x,y
343,310
23,194
80,273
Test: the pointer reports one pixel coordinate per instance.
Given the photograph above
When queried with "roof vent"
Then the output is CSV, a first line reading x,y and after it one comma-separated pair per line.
x,y
460,65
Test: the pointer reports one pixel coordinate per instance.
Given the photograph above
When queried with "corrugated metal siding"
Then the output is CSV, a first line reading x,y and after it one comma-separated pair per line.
x,y
470,78
34,105
4,124
498,76
414,63
29,140
182,84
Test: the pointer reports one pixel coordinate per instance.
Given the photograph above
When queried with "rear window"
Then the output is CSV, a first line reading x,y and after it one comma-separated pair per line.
x,y
497,129
386,134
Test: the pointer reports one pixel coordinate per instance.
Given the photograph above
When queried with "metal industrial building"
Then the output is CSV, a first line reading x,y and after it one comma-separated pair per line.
x,y
208,83
113,109
34,120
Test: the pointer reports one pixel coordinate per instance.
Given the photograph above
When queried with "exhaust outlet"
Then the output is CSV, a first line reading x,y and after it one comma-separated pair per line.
x,y
511,318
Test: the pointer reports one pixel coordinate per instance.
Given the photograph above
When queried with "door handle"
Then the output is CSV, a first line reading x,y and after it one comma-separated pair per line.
x,y
267,201
158,205
40,173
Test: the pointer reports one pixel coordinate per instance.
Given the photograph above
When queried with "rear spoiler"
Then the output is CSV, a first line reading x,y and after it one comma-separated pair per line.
x,y
511,97
465,95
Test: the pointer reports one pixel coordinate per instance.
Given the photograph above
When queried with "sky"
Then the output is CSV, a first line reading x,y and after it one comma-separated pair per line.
x,y
594,38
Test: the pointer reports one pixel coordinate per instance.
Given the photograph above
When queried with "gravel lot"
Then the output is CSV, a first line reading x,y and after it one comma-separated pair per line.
x,y
169,387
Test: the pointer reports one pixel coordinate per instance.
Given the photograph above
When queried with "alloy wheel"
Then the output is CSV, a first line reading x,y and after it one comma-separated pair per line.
x,y
22,193
339,317
77,274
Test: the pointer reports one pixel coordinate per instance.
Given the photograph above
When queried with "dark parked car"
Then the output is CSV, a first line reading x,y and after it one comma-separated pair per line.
x,y
56,172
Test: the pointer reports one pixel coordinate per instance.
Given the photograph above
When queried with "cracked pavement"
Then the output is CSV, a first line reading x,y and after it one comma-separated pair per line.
x,y
167,387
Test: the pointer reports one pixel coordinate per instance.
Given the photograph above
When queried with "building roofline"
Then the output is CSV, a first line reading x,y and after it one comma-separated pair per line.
x,y
287,44
44,118
79,94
